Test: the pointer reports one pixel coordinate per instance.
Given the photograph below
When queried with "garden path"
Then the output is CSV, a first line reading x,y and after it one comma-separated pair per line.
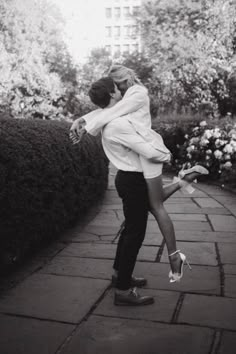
x,y
62,301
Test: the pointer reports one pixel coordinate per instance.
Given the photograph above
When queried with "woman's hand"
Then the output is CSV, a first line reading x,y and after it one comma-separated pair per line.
x,y
77,130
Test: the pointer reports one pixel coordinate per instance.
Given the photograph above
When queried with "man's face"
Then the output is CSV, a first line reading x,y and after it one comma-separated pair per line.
x,y
122,86
117,94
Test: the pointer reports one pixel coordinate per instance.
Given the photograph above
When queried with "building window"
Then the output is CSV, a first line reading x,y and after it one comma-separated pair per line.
x,y
117,12
108,48
134,31
108,12
126,11
135,48
126,31
126,48
136,10
117,49
108,31
117,31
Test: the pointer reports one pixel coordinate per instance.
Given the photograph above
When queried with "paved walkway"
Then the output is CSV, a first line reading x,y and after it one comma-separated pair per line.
x,y
62,301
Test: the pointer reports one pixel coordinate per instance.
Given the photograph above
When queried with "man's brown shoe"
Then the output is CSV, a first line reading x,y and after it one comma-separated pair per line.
x,y
135,282
132,299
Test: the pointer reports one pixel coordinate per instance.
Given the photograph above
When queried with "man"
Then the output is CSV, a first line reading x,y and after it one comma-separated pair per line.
x,y
123,145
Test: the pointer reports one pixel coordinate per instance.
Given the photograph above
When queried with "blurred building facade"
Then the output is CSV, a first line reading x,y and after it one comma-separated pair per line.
x,y
121,31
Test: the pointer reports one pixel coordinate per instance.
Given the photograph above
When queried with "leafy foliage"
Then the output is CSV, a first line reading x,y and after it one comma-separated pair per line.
x,y
34,62
191,46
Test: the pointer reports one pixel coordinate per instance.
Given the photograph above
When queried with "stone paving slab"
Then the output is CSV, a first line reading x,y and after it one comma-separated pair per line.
x,y
201,279
148,253
153,239
188,217
173,200
182,225
47,297
192,225
111,200
101,335
228,343
230,269
196,253
227,253
83,237
90,238
212,190
207,203
106,222
223,222
206,236
108,238
97,250
215,211
85,267
213,311
226,199
197,193
101,230
89,250
184,208
230,285
30,336
162,309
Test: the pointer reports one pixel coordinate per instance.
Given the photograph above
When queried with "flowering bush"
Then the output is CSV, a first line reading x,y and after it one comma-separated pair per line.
x,y
214,148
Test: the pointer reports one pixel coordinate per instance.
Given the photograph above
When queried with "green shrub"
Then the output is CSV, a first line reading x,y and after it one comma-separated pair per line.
x,y
46,182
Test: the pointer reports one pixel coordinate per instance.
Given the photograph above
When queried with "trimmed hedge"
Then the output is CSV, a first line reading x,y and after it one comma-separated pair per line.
x,y
46,183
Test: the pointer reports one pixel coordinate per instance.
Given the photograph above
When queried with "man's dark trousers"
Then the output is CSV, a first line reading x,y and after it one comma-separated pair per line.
x,y
132,189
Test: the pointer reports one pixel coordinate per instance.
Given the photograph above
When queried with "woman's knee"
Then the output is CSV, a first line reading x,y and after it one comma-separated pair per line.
x,y
157,208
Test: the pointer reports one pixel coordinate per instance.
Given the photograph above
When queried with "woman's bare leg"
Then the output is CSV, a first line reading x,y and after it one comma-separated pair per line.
x,y
156,199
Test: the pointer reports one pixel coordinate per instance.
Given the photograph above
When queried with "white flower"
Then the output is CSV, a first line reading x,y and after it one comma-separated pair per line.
x,y
190,148
227,165
219,142
186,136
228,148
194,140
203,123
218,154
232,134
227,157
216,133
195,129
209,152
233,144
204,142
207,134
208,157
189,155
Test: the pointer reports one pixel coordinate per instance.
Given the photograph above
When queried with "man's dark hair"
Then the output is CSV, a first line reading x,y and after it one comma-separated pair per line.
x,y
100,91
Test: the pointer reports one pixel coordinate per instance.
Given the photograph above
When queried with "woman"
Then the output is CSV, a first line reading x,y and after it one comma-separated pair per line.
x,y
135,104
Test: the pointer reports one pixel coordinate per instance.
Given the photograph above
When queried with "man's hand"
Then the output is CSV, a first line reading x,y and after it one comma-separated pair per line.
x,y
77,130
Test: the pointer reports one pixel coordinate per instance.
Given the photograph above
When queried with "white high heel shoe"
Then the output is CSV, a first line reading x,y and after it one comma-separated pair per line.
x,y
198,168
175,277
186,187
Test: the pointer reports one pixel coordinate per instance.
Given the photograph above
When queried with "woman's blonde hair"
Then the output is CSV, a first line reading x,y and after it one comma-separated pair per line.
x,y
120,73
